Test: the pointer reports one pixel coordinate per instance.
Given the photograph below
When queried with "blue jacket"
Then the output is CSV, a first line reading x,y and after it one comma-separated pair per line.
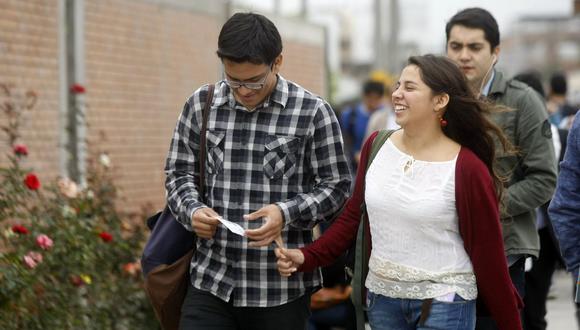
x,y
564,209
354,122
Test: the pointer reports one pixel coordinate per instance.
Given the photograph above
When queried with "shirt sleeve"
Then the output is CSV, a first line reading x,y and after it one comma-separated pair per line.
x,y
342,233
330,174
182,163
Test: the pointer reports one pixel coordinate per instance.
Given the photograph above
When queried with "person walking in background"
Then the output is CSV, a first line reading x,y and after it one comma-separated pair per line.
x,y
384,118
473,43
432,208
539,277
354,120
561,112
564,208
275,166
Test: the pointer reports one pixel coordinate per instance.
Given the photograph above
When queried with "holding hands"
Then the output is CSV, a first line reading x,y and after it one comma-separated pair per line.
x,y
204,223
288,260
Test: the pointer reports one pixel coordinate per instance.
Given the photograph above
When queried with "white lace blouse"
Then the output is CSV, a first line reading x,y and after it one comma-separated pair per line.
x,y
417,250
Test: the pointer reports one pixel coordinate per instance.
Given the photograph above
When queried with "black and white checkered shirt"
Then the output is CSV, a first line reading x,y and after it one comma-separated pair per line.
x,y
287,151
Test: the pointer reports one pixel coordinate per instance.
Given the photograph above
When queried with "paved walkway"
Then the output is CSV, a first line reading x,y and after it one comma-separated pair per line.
x,y
561,310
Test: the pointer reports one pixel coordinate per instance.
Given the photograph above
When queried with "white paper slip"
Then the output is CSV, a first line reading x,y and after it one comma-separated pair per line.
x,y
232,226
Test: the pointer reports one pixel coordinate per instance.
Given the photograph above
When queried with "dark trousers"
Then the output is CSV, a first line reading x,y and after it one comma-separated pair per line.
x,y
203,311
538,282
517,274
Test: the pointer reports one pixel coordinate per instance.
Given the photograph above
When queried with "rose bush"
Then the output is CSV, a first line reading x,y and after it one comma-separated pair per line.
x,y
68,257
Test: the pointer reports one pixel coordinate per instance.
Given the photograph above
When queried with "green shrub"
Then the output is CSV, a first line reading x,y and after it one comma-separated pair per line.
x,y
68,257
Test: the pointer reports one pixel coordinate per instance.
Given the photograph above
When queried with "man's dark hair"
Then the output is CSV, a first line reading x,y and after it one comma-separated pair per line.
x,y
558,84
476,18
373,87
532,79
249,37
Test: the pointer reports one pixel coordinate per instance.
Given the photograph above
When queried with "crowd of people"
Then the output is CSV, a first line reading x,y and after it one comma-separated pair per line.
x,y
448,174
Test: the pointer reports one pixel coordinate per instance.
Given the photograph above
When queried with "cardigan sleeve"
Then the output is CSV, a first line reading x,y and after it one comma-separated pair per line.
x,y
341,234
480,228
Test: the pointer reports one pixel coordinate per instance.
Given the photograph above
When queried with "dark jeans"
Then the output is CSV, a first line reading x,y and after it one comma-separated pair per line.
x,y
203,311
517,274
538,282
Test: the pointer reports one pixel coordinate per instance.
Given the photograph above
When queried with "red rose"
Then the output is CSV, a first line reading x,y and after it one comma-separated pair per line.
x,y
77,89
20,150
106,237
20,229
31,181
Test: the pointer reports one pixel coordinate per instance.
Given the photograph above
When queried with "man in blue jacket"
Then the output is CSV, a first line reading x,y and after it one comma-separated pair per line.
x,y
564,209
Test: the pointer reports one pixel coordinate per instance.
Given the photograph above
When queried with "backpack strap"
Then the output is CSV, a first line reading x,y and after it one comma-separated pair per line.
x,y
361,264
203,141
378,142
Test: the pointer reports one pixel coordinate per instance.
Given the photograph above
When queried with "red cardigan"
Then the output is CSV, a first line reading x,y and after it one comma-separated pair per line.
x,y
479,226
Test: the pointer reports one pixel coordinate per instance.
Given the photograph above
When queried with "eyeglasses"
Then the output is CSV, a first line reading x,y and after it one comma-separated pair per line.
x,y
235,84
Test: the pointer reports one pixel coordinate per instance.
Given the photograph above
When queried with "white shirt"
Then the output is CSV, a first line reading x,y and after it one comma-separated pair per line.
x,y
417,250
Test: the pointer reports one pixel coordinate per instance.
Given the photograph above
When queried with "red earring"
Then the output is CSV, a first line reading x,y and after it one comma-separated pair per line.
x,y
442,121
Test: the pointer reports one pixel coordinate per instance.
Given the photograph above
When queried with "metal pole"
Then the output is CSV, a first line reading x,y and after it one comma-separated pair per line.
x,y
378,35
75,118
393,42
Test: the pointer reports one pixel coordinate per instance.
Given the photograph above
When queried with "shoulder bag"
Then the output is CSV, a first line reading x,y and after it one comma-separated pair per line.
x,y
167,254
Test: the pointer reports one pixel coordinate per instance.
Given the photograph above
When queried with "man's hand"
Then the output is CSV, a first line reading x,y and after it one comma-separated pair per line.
x,y
270,230
288,260
205,222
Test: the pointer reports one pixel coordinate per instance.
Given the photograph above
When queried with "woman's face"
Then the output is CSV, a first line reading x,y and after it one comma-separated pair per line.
x,y
413,100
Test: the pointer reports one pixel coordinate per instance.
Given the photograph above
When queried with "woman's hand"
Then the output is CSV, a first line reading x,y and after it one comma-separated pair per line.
x,y
288,260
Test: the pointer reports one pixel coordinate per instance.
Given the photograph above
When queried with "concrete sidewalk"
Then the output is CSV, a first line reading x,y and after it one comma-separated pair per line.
x,y
561,309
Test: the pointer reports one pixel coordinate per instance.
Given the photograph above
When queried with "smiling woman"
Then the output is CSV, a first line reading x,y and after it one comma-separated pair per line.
x,y
430,205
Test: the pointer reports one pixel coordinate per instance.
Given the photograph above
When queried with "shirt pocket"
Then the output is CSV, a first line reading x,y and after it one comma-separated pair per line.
x,y
215,151
280,156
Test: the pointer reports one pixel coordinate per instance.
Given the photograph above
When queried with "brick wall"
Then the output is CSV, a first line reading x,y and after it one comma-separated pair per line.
x,y
305,65
29,61
142,60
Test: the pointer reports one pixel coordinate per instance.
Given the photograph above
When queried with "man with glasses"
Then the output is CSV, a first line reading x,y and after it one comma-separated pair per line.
x,y
275,166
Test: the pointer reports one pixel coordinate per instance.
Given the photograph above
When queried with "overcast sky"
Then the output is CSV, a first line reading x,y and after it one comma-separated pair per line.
x,y
421,21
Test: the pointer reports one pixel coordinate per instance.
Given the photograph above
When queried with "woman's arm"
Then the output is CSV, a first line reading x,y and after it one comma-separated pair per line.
x,y
480,228
341,234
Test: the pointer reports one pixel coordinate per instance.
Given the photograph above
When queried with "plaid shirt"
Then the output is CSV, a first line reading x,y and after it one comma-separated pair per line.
x,y
288,151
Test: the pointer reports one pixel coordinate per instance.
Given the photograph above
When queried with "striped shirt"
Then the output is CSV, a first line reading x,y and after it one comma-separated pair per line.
x,y
288,152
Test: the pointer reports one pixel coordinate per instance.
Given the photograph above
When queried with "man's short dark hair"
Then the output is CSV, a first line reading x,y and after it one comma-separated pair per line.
x,y
476,18
249,37
558,84
373,87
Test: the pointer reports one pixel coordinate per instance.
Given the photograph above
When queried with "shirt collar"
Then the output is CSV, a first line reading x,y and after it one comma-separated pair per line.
x,y
279,95
487,87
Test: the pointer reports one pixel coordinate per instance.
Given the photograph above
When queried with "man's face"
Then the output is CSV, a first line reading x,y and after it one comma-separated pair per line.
x,y
472,52
263,75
